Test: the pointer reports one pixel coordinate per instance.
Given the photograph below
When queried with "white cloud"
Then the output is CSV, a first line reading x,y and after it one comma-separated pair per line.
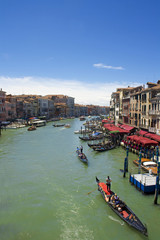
x,y
101,65
84,93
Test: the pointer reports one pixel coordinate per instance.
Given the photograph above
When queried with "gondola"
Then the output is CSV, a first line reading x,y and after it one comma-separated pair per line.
x,y
90,138
58,125
32,128
92,145
82,156
103,148
120,208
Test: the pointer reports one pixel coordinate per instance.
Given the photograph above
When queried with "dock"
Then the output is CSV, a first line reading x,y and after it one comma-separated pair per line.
x,y
143,182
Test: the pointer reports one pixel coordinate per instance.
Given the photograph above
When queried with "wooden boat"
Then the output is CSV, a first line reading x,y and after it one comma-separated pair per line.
x,y
67,125
82,156
58,125
120,208
90,138
82,131
103,148
32,128
147,165
93,145
82,118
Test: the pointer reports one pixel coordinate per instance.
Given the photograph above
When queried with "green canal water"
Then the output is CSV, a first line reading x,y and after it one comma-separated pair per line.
x,y
44,186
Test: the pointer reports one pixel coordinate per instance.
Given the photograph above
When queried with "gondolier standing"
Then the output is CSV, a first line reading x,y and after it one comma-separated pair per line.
x,y
108,183
81,148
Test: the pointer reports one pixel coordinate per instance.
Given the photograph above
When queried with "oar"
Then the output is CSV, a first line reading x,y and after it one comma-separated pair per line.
x,y
92,191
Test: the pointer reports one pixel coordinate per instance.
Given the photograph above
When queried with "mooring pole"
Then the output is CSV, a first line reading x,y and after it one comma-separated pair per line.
x,y
125,165
157,178
157,184
157,154
139,166
0,127
150,154
127,151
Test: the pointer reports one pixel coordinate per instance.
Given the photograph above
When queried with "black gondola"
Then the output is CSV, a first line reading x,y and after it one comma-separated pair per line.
x,y
58,125
120,208
92,145
82,156
103,148
90,138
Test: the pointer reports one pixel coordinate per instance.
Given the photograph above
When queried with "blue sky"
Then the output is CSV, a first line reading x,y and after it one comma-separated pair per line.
x,y
81,48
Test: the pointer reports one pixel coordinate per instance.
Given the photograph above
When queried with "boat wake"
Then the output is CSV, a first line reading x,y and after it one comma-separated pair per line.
x,y
71,221
116,220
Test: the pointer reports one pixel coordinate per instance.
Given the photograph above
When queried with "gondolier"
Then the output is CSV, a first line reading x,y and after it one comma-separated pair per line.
x,y
81,148
108,183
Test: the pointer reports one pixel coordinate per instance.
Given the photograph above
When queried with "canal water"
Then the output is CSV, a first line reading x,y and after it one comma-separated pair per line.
x,y
44,189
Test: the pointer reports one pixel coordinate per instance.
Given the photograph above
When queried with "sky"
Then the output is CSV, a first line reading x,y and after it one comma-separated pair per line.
x,y
81,48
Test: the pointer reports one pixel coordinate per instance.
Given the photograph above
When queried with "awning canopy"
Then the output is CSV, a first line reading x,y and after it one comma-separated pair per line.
x,y
142,133
142,140
127,127
153,136
107,121
112,127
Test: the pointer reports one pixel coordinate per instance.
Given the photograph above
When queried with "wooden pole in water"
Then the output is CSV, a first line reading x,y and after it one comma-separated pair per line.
x,y
157,178
157,154
139,166
127,150
0,128
125,164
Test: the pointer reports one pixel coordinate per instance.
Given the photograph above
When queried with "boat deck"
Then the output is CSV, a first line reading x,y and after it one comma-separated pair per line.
x,y
146,169
144,182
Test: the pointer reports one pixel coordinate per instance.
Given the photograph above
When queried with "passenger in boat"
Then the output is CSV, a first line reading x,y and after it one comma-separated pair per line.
x,y
119,209
107,198
113,198
108,183
116,197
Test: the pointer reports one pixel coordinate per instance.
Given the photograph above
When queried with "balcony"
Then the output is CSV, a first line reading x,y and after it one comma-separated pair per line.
x,y
143,126
154,112
152,129
144,113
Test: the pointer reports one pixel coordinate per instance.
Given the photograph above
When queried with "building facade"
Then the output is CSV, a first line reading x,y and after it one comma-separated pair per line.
x,y
2,105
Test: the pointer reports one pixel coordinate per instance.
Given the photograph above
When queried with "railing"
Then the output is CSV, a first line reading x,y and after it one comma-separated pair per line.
x,y
144,126
152,129
154,112
144,113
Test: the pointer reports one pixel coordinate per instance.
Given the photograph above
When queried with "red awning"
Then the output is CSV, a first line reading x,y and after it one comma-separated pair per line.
x,y
105,121
153,136
127,127
142,140
142,133
112,127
